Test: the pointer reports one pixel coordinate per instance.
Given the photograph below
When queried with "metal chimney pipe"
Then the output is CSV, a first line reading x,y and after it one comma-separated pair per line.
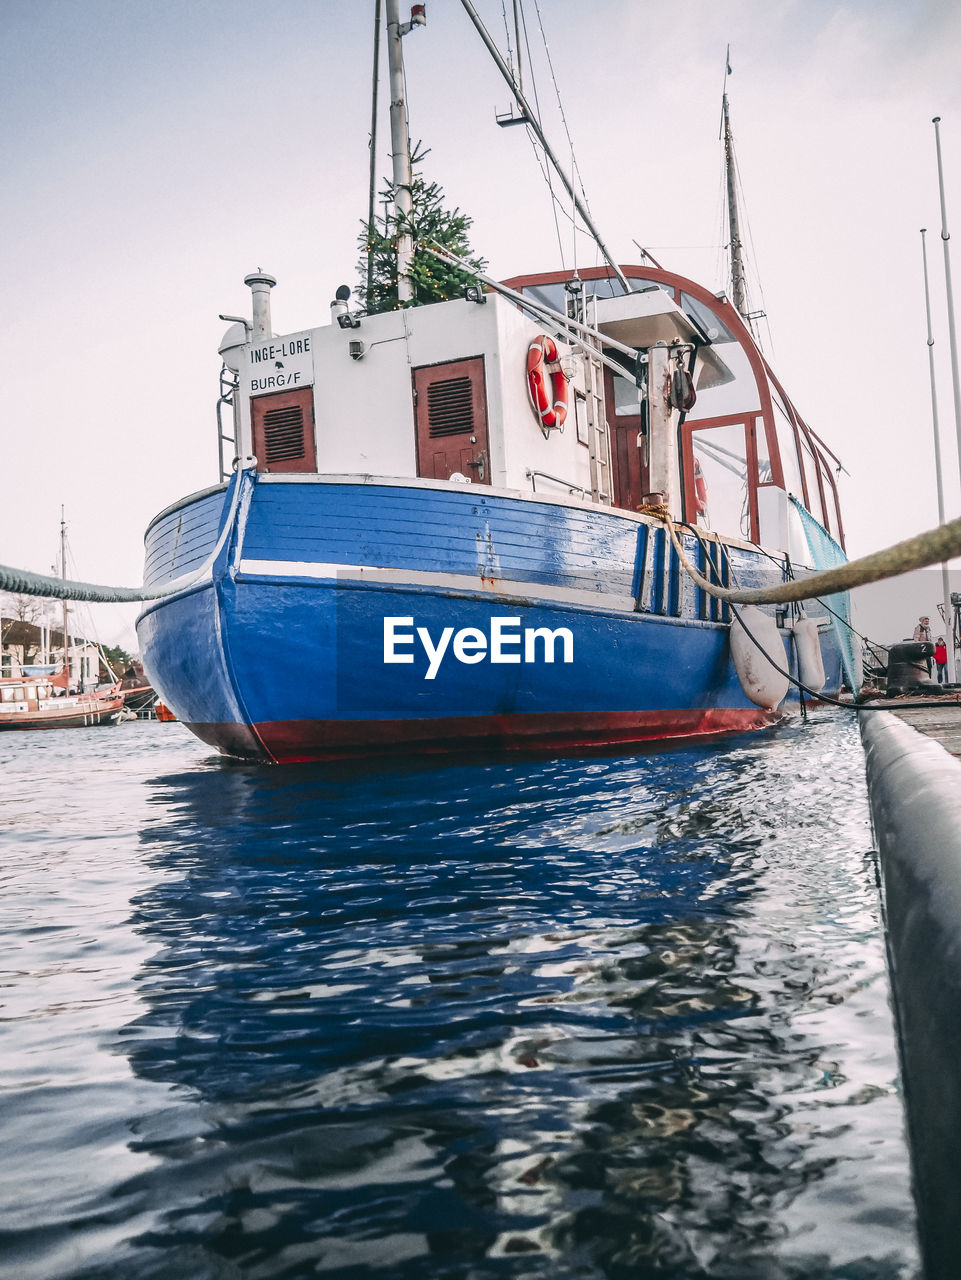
x,y
260,285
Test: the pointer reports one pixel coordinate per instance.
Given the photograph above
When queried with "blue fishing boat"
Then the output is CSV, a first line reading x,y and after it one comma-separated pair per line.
x,y
471,524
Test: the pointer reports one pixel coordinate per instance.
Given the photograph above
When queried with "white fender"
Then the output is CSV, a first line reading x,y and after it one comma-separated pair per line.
x,y
762,684
810,664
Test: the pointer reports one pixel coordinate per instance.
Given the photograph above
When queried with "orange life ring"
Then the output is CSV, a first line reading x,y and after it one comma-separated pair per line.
x,y
549,404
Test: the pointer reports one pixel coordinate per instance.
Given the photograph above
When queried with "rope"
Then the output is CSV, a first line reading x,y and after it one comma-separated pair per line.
x,y
24,583
933,547
816,695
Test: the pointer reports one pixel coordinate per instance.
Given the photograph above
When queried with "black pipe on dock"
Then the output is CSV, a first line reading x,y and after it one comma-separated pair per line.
x,y
914,786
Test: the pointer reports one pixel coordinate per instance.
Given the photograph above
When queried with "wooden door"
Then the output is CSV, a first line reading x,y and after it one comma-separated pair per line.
x,y
629,463
282,429
450,411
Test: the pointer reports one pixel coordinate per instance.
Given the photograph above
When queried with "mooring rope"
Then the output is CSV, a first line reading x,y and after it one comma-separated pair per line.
x,y
816,695
933,547
24,583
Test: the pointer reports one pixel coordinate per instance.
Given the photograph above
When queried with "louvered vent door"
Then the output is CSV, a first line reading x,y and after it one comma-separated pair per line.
x,y
283,431
451,415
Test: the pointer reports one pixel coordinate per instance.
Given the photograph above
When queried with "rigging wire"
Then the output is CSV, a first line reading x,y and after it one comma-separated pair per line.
x,y
539,155
560,106
507,36
575,170
752,259
720,220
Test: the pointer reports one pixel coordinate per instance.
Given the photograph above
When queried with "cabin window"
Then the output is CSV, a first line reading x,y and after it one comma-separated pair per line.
x,y
282,427
580,418
811,478
722,453
740,395
13,693
831,522
787,447
611,287
556,296
627,397
550,295
762,452
713,325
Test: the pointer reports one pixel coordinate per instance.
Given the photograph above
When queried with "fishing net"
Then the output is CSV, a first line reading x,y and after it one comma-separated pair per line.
x,y
826,554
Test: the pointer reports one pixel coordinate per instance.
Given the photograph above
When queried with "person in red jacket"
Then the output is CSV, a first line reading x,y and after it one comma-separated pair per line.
x,y
941,658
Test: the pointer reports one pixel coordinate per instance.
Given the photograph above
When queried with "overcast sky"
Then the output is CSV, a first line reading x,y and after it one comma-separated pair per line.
x,y
155,154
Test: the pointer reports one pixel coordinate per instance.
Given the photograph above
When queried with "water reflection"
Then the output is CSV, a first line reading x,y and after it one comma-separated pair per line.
x,y
613,1018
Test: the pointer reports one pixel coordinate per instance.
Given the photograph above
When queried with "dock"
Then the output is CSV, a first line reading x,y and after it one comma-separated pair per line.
x,y
913,762
941,721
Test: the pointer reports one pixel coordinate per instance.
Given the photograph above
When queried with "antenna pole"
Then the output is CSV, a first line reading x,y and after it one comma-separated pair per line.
x,y
531,119
945,581
371,204
952,336
400,154
517,42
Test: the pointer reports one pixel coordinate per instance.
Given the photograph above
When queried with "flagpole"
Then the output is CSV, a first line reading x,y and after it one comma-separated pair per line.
x,y
952,335
945,581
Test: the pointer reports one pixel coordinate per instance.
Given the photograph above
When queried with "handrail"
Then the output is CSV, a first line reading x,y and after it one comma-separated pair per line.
x,y
545,475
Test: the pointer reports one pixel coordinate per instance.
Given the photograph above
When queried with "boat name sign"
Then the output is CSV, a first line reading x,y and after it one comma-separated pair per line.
x,y
281,363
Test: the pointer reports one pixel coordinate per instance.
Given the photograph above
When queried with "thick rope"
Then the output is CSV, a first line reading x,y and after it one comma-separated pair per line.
x,y
933,547
817,695
24,583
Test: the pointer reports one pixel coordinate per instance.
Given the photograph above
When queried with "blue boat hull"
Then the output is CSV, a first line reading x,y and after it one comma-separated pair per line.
x,y
351,617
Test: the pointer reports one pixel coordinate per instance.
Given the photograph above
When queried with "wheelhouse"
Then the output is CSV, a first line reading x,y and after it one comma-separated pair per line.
x,y
743,444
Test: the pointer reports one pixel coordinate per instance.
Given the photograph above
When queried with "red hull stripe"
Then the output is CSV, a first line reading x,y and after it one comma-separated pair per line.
x,y
291,741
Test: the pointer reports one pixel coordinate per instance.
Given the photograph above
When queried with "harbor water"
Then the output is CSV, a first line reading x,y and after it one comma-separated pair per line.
x,y
591,1018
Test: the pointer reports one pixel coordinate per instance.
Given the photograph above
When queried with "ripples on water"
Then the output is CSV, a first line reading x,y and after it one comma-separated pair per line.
x,y
590,1019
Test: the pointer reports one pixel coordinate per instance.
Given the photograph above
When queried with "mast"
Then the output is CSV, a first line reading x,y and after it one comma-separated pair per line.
x,y
63,575
738,290
949,290
400,143
372,196
945,581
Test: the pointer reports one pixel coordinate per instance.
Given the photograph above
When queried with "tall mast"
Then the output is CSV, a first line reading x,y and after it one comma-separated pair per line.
x,y
949,290
400,143
945,580
63,575
738,290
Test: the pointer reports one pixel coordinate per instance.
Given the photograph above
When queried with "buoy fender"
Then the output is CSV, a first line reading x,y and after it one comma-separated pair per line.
x,y
756,667
810,664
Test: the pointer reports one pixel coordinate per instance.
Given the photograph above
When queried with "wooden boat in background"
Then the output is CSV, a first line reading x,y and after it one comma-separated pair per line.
x,y
29,702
